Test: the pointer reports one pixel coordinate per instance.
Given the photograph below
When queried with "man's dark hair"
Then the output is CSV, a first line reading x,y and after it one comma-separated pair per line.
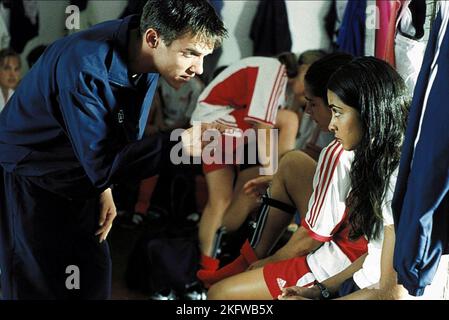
x,y
174,18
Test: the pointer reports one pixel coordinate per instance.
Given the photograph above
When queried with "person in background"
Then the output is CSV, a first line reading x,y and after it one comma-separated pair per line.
x,y
311,138
245,96
10,66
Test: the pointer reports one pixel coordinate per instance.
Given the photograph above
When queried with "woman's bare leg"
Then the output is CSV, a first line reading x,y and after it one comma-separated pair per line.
x,y
249,285
242,205
292,184
219,186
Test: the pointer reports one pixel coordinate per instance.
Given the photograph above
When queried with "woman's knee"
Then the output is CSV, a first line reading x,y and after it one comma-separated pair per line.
x,y
296,160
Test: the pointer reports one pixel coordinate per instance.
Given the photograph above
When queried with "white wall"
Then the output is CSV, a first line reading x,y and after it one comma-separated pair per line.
x,y
51,22
52,18
107,10
305,19
237,16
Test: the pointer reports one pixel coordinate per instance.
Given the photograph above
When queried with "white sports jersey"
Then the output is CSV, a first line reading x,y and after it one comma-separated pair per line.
x,y
325,220
248,91
370,272
2,99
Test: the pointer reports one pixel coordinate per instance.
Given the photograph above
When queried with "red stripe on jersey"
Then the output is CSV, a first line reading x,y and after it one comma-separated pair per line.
x,y
330,174
340,236
319,188
353,249
226,123
282,85
235,91
273,89
275,105
314,235
253,119
273,93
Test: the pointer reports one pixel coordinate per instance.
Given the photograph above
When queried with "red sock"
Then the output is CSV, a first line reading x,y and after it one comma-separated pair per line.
x,y
248,252
240,264
209,263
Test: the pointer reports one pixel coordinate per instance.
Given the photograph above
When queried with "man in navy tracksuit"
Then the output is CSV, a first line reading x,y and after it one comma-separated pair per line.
x,y
73,128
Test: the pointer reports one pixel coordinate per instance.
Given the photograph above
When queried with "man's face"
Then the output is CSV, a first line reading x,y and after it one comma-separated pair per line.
x,y
181,60
10,72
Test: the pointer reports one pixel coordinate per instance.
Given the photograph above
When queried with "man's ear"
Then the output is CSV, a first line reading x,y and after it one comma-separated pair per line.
x,y
152,38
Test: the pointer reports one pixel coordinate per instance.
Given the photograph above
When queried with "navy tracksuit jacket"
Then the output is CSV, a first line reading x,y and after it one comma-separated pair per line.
x,y
73,127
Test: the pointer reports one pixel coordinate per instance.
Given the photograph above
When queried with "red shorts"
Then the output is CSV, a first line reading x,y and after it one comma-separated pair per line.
x,y
287,273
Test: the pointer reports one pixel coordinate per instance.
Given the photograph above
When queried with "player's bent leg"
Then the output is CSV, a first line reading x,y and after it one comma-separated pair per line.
x,y
241,205
248,285
247,254
292,185
219,185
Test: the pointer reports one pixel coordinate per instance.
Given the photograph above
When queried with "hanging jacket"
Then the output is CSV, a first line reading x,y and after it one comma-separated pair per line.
x,y
351,35
22,27
81,4
270,30
421,200
418,9
385,35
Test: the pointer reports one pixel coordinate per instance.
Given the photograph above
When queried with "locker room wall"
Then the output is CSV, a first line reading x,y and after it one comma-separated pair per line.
x,y
305,19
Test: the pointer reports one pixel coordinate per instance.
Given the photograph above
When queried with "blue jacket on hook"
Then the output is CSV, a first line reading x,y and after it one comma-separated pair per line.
x,y
421,200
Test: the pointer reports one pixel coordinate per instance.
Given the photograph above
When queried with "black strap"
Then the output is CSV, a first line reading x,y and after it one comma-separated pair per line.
x,y
217,242
278,204
259,225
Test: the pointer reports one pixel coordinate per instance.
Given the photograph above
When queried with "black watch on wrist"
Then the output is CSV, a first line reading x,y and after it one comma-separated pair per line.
x,y
325,294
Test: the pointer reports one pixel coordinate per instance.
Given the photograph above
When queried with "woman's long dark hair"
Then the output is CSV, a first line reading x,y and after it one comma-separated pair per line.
x,y
378,92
